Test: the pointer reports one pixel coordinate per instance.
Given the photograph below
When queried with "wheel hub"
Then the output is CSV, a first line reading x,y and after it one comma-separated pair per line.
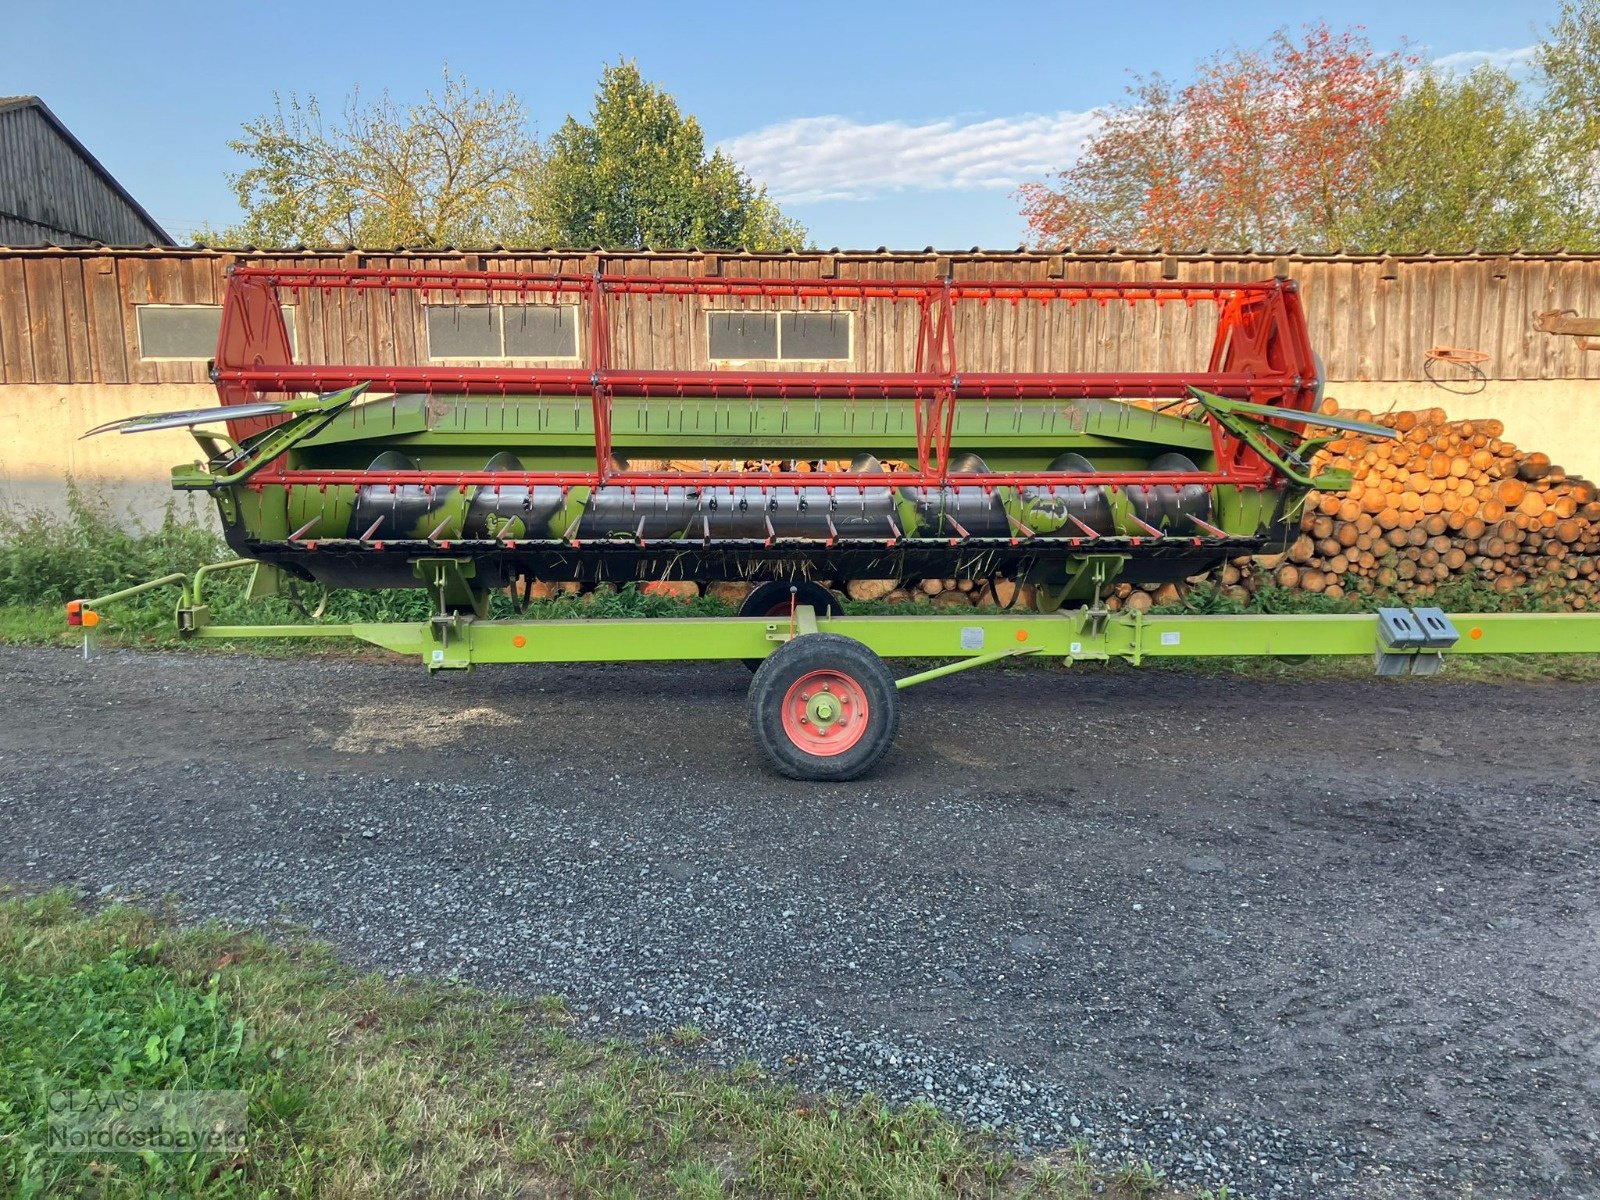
x,y
825,712
825,708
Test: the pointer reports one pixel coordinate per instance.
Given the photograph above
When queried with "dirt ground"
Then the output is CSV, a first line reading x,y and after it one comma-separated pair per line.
x,y
1330,938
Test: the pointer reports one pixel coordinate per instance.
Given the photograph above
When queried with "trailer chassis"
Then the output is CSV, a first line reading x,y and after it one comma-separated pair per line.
x,y
823,702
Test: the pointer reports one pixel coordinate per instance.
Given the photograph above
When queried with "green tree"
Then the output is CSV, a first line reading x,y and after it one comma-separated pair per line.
x,y
1568,64
1462,165
637,174
455,168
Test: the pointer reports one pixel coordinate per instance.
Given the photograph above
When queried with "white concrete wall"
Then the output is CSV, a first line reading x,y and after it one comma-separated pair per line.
x,y
41,444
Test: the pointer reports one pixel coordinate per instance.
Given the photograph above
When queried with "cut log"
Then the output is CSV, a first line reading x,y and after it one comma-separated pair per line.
x,y
870,589
1534,466
730,591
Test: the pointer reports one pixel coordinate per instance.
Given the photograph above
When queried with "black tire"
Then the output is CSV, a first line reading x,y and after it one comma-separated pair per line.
x,y
771,599
866,678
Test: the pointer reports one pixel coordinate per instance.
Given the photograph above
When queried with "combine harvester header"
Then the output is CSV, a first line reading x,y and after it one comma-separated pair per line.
x,y
649,452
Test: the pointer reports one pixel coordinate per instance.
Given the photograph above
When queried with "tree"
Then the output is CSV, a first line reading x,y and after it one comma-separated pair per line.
x,y
637,174
1462,165
455,168
1568,63
1129,186
1264,148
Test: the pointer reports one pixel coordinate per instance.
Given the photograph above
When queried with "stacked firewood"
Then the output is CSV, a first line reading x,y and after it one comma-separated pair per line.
x,y
1447,500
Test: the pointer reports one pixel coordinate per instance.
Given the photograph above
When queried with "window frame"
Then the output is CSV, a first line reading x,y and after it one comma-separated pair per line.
x,y
576,356
288,311
777,316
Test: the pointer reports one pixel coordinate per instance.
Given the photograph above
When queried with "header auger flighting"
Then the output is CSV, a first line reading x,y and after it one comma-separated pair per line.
x,y
910,430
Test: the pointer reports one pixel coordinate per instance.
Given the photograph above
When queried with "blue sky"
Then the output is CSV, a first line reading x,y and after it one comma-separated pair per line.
x,y
903,124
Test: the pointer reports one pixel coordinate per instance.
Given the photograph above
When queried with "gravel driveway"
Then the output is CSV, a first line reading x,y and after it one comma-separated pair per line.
x,y
1319,938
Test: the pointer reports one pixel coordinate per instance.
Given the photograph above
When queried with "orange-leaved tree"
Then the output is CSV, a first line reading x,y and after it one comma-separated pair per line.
x,y
1268,147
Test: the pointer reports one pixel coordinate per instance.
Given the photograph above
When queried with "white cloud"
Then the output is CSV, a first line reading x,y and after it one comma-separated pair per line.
x,y
810,159
1506,60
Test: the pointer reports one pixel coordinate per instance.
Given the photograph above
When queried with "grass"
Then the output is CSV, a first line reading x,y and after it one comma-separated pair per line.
x,y
46,560
358,1086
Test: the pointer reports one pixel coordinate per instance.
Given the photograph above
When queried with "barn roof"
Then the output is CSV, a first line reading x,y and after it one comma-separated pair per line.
x,y
158,235
1050,255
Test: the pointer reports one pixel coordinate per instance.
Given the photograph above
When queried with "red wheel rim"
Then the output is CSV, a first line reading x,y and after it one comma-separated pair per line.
x,y
825,713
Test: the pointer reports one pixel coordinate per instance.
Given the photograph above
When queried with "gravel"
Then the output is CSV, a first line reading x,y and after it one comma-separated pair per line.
x,y
1303,939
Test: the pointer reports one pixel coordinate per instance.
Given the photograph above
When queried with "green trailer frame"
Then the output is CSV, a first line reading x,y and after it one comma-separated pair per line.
x,y
824,677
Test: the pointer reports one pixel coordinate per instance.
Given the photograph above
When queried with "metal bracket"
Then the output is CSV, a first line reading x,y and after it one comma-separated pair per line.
x,y
1097,613
803,621
307,418
459,605
267,581
1250,423
1411,641
450,581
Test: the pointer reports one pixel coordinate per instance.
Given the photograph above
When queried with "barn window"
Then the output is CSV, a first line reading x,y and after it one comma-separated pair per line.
x,y
540,330
740,335
186,332
814,335
502,331
790,336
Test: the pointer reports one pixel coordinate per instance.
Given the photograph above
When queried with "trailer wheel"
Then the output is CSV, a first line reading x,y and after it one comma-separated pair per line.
x,y
771,599
824,707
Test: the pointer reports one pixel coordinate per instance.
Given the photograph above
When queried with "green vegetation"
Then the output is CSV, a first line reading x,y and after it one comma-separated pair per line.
x,y
362,1087
453,168
462,167
1567,62
46,560
637,174
1461,164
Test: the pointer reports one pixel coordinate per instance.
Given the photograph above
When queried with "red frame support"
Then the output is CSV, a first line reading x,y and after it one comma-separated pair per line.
x,y
1261,353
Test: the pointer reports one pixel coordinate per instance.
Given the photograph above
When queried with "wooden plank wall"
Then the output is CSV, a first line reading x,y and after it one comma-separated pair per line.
x,y
68,316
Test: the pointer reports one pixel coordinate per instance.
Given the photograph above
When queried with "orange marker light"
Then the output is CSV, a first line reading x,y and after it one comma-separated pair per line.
x,y
1474,633
74,612
90,618
1022,635
519,641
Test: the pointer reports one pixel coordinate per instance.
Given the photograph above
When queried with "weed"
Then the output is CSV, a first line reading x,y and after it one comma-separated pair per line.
x,y
1140,1178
